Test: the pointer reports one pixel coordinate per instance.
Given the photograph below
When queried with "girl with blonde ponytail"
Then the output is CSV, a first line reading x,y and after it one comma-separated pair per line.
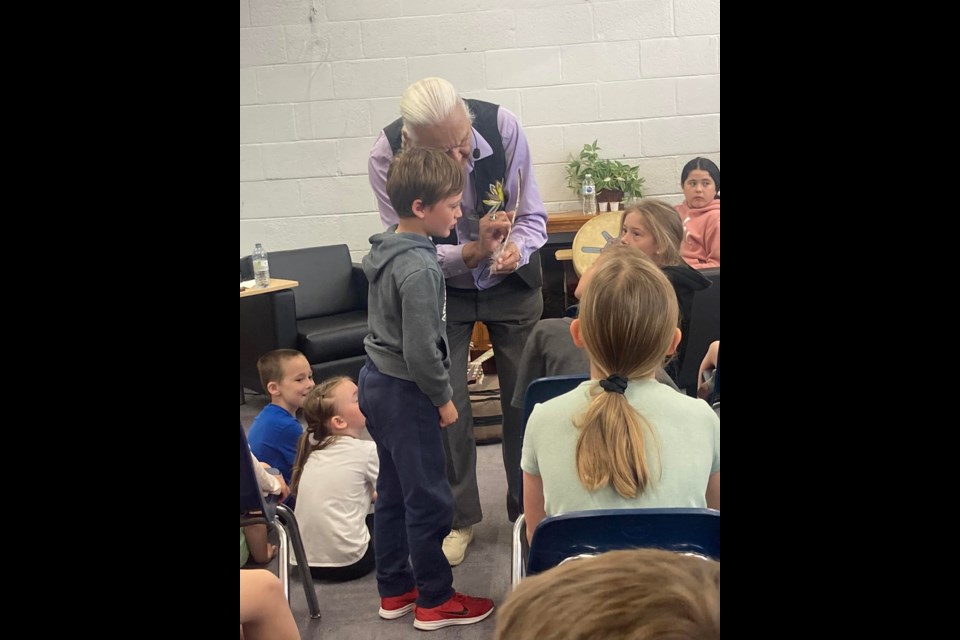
x,y
622,440
334,476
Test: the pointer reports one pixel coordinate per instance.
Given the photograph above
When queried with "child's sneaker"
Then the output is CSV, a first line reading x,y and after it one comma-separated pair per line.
x,y
459,609
396,606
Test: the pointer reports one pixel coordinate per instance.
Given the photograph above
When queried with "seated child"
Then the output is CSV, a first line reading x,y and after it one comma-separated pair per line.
x,y
621,439
253,538
334,478
550,350
286,375
640,594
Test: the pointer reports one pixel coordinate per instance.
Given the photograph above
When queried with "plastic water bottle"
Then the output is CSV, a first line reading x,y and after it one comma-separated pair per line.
x,y
261,268
589,192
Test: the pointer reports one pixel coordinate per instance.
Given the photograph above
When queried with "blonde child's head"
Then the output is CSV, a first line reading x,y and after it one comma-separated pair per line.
x,y
628,325
654,227
640,594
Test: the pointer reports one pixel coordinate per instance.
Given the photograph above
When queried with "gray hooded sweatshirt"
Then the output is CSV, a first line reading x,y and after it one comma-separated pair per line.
x,y
407,312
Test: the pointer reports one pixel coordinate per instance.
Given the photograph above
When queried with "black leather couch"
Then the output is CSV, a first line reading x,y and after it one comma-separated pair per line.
x,y
325,317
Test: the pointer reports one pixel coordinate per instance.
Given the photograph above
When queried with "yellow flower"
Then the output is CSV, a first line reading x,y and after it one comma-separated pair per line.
x,y
495,196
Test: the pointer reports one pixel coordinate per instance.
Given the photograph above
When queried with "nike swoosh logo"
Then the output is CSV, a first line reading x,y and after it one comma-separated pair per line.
x,y
458,613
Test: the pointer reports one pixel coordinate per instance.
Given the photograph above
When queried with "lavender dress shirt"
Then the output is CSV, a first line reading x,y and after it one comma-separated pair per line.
x,y
529,230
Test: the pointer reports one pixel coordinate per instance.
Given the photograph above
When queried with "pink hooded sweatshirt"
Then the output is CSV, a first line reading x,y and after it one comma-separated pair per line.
x,y
701,234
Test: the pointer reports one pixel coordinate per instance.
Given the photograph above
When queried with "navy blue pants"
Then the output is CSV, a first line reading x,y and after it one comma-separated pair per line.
x,y
414,507
510,310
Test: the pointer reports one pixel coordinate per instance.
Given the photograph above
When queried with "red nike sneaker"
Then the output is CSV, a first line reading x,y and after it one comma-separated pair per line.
x,y
459,609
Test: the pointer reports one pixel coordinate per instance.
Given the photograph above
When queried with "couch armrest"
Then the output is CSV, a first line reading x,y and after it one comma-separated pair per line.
x,y
360,284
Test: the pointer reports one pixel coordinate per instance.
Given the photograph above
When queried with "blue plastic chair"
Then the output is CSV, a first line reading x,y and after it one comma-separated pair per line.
x,y
253,510
578,533
541,390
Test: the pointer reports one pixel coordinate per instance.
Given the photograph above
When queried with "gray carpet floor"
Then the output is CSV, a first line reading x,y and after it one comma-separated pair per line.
x,y
349,610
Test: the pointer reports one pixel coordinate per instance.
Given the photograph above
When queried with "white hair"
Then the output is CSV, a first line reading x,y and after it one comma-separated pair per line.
x,y
429,102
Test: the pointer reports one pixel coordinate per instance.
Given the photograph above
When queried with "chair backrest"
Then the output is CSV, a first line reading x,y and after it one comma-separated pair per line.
x,y
541,390
704,329
684,530
325,275
251,500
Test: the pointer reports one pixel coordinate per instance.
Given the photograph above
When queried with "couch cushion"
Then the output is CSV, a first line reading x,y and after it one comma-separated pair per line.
x,y
332,337
325,277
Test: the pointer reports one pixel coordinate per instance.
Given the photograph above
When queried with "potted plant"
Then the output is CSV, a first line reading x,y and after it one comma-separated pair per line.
x,y
614,180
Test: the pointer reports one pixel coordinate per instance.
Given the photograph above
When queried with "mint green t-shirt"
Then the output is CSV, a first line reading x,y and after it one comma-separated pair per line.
x,y
244,550
687,431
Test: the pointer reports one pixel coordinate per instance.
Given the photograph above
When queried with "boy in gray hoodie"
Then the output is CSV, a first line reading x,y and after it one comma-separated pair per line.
x,y
406,397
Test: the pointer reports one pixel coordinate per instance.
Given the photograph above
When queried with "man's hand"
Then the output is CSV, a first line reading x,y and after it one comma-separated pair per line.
x,y
490,236
508,260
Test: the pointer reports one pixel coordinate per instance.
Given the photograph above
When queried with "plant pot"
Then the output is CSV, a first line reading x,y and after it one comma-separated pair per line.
x,y
609,200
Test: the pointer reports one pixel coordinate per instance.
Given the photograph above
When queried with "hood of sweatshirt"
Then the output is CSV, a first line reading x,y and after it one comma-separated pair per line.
x,y
683,277
686,212
388,245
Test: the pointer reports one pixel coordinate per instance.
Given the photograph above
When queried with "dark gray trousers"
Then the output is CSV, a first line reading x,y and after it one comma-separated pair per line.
x,y
510,310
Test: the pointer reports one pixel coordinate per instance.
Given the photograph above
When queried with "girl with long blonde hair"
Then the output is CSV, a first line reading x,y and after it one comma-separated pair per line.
x,y
622,440
653,226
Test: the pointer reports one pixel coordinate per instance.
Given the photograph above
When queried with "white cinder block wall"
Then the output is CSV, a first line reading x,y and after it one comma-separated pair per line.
x,y
320,78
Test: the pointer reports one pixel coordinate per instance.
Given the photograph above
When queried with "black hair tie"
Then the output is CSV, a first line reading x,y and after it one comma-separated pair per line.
x,y
615,383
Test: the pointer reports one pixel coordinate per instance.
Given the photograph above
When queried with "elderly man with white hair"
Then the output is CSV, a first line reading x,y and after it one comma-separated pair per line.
x,y
490,263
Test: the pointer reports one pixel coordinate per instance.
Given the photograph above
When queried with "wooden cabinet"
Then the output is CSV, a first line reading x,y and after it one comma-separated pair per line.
x,y
559,278
566,222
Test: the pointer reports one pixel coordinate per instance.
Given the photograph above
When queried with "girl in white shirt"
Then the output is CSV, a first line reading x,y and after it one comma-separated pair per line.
x,y
334,479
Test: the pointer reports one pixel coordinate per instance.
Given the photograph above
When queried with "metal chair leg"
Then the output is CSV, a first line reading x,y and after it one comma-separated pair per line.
x,y
517,570
285,515
283,562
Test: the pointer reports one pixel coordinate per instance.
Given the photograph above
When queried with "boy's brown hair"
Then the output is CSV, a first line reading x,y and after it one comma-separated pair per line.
x,y
640,594
270,365
421,173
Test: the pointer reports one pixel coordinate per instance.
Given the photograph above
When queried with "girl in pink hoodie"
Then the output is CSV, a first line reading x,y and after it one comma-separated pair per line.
x,y
700,213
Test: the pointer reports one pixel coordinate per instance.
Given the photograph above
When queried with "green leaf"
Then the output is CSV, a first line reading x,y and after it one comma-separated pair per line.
x,y
613,174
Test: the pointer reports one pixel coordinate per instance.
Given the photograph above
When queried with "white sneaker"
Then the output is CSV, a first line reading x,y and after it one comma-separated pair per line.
x,y
455,545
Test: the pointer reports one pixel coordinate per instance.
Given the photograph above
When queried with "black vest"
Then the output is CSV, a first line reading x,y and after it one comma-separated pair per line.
x,y
486,171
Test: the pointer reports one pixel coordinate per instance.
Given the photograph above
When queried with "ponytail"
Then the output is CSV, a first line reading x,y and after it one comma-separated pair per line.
x,y
318,410
628,322
611,449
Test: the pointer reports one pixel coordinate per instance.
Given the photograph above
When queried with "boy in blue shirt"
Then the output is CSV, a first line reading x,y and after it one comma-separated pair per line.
x,y
286,375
